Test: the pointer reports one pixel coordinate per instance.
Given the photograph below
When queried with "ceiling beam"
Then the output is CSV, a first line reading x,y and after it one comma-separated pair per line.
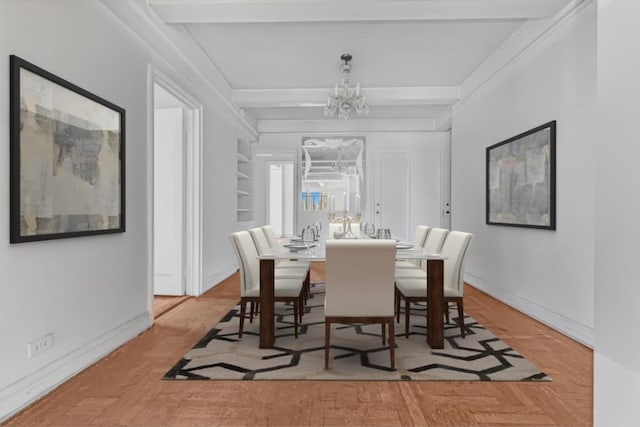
x,y
278,11
387,96
334,126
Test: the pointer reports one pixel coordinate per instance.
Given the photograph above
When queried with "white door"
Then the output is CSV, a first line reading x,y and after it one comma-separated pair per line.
x,y
168,197
280,201
391,189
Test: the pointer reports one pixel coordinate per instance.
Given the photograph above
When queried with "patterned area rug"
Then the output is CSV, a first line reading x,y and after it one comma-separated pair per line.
x,y
357,352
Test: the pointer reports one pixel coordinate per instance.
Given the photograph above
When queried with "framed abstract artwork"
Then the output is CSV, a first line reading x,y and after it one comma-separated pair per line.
x,y
67,152
521,179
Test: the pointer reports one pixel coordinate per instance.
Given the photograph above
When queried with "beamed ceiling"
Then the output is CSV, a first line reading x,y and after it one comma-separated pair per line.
x,y
412,58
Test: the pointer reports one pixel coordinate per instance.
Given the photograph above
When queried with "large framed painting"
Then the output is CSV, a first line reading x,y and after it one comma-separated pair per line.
x,y
67,149
521,179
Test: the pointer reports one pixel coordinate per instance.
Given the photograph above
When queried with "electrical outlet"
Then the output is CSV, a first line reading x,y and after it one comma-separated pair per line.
x,y
39,345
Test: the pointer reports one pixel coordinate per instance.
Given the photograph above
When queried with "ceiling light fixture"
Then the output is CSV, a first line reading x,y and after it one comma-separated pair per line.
x,y
344,99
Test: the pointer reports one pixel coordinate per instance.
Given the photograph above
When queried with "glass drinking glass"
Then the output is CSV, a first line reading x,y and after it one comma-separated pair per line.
x,y
308,237
370,229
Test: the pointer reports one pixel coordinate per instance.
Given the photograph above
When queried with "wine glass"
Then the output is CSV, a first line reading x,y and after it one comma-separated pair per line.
x,y
387,233
370,229
308,237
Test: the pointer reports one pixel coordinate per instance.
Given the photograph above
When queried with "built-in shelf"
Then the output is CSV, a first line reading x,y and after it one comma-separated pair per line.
x,y
244,175
242,158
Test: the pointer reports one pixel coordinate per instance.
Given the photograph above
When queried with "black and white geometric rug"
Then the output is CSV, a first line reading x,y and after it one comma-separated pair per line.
x,y
357,352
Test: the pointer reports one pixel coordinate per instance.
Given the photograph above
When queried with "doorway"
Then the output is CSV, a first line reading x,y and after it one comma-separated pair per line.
x,y
280,200
168,193
176,213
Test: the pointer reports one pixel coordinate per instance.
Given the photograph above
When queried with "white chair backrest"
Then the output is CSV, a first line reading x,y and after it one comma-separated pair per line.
x,y
260,240
455,249
435,239
359,277
247,261
420,235
270,235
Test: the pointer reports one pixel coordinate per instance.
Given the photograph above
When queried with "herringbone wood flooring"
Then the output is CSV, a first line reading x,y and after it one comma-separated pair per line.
x,y
125,388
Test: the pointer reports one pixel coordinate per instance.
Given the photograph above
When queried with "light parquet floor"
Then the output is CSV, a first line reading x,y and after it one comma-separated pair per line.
x,y
125,388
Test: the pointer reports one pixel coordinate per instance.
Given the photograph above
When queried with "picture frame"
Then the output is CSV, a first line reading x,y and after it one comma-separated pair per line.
x,y
333,166
521,179
67,158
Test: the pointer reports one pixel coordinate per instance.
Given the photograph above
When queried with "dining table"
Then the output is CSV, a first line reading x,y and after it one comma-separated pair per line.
x,y
296,250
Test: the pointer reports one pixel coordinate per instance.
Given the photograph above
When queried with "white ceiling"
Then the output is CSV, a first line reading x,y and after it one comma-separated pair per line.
x,y
280,57
385,54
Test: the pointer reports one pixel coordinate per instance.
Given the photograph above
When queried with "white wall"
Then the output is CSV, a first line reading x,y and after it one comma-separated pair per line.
x,y
219,199
546,274
92,293
182,62
617,278
428,154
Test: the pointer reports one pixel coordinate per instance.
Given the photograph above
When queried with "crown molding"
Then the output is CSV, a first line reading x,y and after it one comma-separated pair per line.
x,y
523,43
175,48
444,120
216,11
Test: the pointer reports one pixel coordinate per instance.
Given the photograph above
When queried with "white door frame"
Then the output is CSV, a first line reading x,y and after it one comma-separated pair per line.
x,y
192,181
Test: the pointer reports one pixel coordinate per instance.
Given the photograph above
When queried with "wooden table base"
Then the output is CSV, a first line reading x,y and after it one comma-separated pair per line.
x,y
435,303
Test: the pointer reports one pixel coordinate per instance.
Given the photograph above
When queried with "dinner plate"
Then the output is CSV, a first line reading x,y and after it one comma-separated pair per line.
x,y
298,239
298,246
403,246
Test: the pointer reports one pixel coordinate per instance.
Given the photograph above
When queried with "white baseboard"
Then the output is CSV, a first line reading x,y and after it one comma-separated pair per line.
x,y
214,279
561,323
27,390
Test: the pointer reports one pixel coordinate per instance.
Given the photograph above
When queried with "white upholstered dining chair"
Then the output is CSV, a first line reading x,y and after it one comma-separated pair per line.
x,y
270,235
261,241
417,240
286,289
454,250
432,244
359,286
284,268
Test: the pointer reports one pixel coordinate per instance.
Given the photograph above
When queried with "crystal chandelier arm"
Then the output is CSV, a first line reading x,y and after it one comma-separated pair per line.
x,y
342,100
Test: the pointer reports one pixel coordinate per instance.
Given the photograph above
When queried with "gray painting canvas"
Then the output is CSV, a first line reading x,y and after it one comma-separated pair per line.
x,y
520,181
69,160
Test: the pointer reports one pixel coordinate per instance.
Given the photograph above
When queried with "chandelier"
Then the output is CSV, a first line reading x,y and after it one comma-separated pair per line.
x,y
343,99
